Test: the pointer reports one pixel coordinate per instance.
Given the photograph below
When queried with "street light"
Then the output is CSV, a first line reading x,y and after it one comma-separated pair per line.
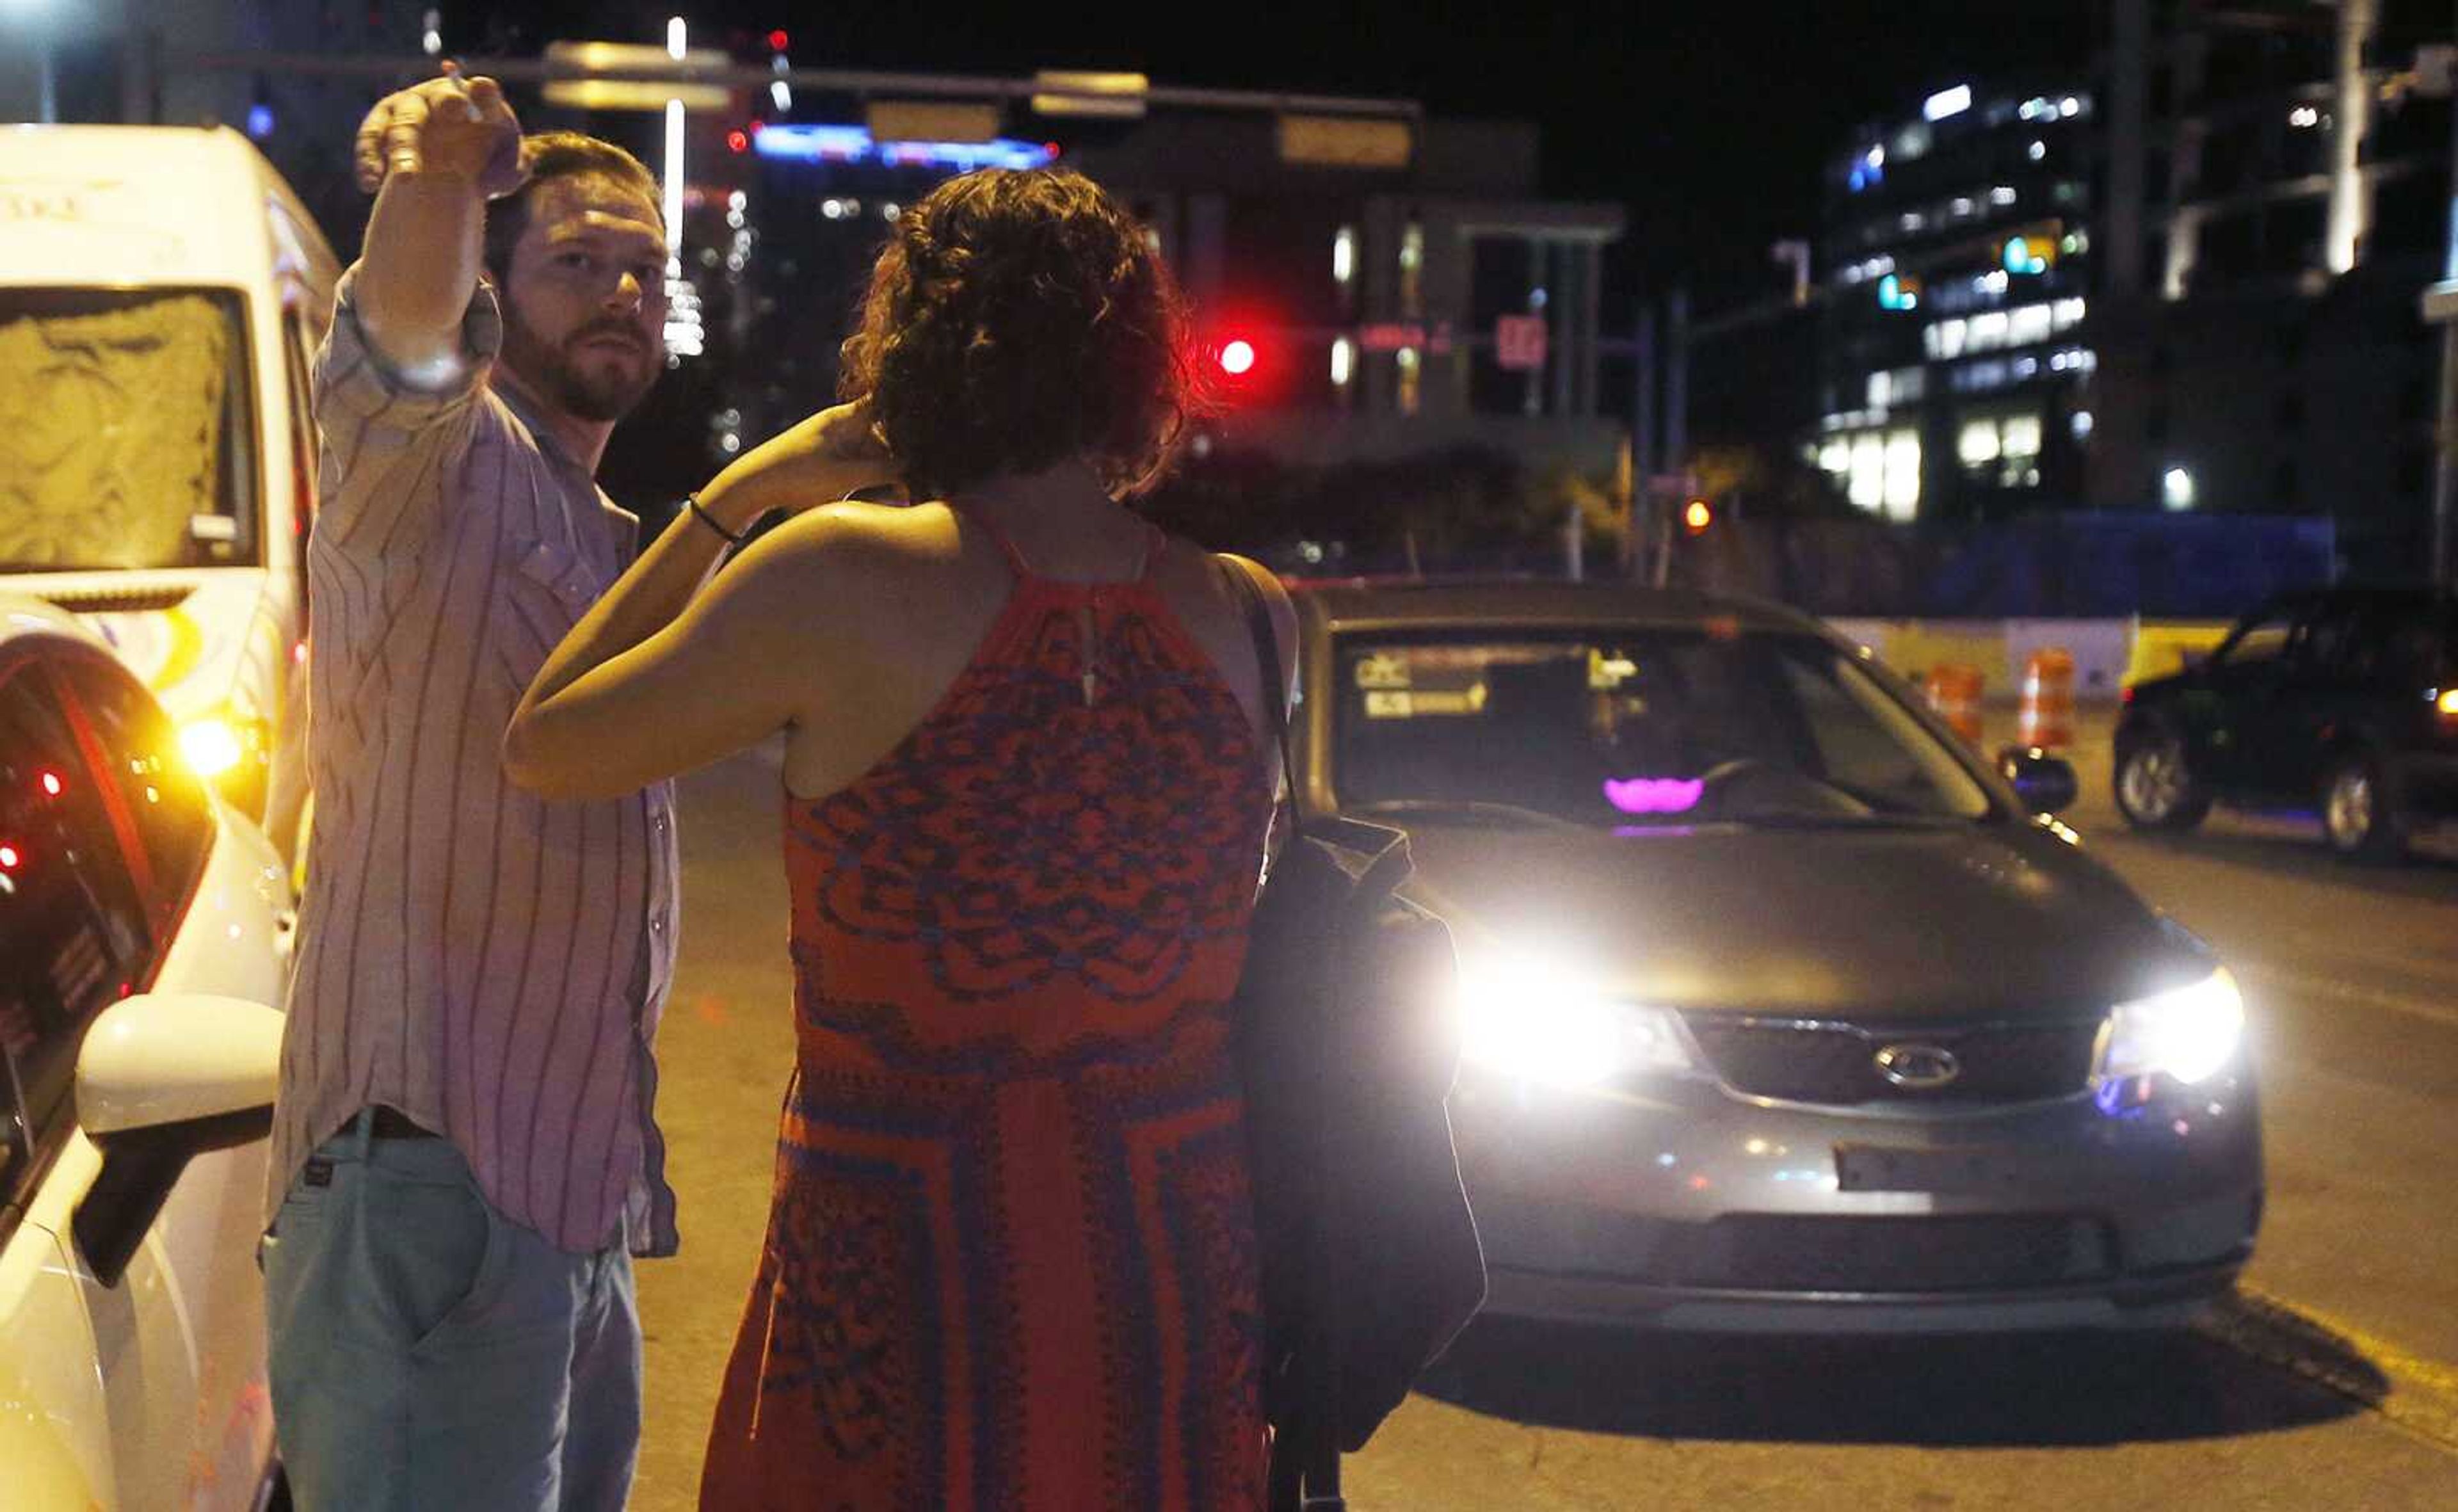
x,y
673,186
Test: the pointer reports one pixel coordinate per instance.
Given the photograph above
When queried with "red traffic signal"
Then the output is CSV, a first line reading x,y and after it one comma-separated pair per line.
x,y
1244,361
777,41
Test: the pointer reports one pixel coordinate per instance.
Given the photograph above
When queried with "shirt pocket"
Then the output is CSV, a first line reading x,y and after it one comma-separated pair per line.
x,y
549,588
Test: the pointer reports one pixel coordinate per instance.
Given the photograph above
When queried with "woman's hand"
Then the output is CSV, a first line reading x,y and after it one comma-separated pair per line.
x,y
817,462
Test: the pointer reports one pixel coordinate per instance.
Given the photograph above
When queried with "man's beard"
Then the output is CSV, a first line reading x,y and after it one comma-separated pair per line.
x,y
607,395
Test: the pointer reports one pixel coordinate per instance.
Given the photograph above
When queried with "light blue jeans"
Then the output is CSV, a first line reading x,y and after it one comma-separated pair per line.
x,y
429,1355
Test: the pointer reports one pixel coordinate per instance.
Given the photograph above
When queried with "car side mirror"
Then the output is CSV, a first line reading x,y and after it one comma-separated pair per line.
x,y
161,1079
2044,782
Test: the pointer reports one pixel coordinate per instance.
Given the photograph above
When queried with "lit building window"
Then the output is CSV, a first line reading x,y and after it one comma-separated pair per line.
x,y
1976,444
2023,324
1973,377
1903,484
2081,425
2001,195
1946,339
1411,380
1343,256
1835,457
2038,150
1912,220
1988,330
1947,102
1343,361
2019,437
2068,313
1412,266
1868,486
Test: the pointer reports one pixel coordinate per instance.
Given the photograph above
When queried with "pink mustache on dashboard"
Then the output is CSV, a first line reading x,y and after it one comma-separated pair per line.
x,y
1653,794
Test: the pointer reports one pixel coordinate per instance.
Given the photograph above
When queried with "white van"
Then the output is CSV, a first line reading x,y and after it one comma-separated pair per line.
x,y
162,293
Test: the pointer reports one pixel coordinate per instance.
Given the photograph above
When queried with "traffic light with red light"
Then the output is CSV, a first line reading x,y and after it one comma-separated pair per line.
x,y
1242,363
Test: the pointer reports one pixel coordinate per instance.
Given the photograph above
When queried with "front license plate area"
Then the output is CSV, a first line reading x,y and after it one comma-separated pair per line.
x,y
1954,1169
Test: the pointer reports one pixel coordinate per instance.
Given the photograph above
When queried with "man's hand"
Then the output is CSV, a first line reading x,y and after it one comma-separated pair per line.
x,y
450,127
817,462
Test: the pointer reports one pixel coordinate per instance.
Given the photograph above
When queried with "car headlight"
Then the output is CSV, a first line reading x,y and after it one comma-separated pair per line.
x,y
1530,1017
2189,1032
214,745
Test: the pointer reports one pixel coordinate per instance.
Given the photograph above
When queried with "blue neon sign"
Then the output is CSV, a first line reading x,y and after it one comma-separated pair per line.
x,y
797,141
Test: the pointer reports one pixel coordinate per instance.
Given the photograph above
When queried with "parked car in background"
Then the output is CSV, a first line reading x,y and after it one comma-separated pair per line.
x,y
1783,1012
162,293
145,936
2342,701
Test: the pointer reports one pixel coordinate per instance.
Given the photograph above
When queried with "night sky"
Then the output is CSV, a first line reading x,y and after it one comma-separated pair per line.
x,y
1708,119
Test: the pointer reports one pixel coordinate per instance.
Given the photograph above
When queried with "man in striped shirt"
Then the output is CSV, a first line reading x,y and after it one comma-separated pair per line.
x,y
465,1157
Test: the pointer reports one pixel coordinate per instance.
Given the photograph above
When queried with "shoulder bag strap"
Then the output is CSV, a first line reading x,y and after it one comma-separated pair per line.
x,y
1267,661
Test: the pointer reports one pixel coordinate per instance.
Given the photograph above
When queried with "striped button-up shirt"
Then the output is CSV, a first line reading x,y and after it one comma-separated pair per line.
x,y
489,963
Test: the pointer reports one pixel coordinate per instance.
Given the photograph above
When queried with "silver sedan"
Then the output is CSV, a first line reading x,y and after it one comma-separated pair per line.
x,y
1785,1011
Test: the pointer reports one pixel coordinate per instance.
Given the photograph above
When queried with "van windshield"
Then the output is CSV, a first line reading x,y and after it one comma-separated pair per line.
x,y
126,434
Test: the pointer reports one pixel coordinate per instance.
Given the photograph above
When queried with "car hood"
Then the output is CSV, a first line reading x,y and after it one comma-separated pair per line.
x,y
1961,923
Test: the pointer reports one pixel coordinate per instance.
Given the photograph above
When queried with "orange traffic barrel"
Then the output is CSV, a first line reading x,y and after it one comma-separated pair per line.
x,y
1955,693
2046,720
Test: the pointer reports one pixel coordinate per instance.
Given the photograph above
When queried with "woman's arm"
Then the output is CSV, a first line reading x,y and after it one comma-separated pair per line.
x,y
663,675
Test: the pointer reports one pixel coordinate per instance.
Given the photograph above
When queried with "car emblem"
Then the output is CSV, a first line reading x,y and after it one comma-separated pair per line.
x,y
1918,1066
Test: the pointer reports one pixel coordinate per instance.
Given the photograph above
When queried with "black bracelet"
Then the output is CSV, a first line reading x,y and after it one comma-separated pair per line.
x,y
707,519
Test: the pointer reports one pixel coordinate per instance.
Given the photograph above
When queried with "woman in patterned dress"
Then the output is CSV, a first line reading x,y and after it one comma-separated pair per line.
x,y
1010,1260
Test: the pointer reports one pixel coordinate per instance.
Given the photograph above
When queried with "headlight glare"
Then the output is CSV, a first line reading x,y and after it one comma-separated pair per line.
x,y
1530,1018
2189,1032
216,745
211,746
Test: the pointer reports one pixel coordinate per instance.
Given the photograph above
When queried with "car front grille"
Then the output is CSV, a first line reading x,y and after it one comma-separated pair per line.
x,y
1775,1252
1837,1063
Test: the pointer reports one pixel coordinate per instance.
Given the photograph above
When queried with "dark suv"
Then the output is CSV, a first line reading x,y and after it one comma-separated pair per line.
x,y
2345,699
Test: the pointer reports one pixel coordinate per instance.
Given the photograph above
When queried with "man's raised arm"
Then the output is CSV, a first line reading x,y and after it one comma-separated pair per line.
x,y
435,153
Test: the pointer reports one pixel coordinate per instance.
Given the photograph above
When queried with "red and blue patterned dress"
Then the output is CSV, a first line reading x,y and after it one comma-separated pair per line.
x,y
1010,1262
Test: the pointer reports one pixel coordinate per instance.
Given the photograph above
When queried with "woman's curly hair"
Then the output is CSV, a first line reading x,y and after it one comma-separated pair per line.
x,y
1014,319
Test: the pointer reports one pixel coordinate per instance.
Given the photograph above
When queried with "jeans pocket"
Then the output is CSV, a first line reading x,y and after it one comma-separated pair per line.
x,y
431,1248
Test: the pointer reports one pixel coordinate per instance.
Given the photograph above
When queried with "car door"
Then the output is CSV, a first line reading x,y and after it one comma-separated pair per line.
x,y
74,939
2223,706
2290,732
203,1243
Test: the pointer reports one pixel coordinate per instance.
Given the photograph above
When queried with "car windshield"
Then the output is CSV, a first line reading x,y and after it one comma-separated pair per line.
x,y
1634,728
125,436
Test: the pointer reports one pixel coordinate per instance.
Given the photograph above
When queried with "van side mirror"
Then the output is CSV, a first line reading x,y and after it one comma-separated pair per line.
x,y
2044,782
161,1079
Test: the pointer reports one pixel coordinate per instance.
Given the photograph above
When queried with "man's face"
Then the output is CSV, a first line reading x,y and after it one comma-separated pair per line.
x,y
585,306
